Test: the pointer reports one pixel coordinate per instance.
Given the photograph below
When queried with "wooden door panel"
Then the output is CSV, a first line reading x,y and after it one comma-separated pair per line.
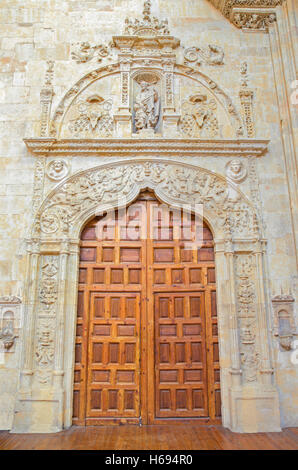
x,y
146,340
180,360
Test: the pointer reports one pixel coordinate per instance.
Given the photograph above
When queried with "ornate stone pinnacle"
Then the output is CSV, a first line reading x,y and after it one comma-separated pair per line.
x,y
147,10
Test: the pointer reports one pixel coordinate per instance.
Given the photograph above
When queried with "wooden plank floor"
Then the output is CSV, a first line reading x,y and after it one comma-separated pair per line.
x,y
180,437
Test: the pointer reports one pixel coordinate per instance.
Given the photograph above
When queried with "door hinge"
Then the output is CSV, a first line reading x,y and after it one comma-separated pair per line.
x,y
140,421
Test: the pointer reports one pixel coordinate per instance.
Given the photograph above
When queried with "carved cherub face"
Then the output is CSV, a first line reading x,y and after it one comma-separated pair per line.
x,y
235,166
57,166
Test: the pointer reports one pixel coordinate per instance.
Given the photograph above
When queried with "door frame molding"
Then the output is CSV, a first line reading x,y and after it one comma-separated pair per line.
x,y
248,392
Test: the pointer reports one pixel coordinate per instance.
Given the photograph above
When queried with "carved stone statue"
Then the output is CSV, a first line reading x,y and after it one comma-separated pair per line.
x,y
147,107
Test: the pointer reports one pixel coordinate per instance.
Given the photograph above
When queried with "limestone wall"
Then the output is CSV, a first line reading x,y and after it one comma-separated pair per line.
x,y
34,32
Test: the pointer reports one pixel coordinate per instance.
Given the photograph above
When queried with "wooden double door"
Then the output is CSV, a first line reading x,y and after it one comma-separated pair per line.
x,y
146,340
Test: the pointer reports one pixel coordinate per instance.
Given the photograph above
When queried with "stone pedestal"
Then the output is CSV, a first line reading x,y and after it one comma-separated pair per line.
x,y
254,409
122,122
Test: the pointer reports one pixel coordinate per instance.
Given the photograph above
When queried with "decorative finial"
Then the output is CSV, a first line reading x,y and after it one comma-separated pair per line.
x,y
147,10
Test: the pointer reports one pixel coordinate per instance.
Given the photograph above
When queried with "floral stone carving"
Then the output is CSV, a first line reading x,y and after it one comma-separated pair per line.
x,y
104,185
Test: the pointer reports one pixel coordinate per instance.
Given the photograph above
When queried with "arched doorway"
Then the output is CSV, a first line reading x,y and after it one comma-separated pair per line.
x,y
147,339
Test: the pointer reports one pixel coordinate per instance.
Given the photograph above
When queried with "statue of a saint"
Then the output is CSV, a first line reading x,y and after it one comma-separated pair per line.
x,y
146,107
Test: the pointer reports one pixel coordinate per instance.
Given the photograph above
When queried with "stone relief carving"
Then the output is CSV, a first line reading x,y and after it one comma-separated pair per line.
x,y
56,170
236,171
46,96
149,26
284,324
212,55
86,52
48,292
104,185
45,343
133,50
198,117
46,317
257,20
246,97
227,6
94,116
147,103
246,306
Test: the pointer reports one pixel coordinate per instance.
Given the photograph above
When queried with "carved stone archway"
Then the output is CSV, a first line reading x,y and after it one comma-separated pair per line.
x,y
249,397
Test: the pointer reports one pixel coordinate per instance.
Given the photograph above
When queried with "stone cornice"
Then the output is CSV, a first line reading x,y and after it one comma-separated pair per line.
x,y
50,147
251,15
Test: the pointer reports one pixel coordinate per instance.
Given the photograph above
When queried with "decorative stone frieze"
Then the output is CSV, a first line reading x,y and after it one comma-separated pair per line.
x,y
249,14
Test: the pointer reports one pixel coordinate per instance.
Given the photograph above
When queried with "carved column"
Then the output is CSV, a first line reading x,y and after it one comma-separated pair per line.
x,y
235,370
123,117
60,318
261,319
170,117
30,314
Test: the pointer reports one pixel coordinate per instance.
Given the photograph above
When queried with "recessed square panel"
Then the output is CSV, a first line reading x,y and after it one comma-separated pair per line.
x,y
206,254
96,399
166,376
114,353
97,352
181,399
130,255
186,255
198,399
129,400
195,306
113,399
177,276
130,307
99,307
164,307
82,275
164,353
159,276
193,375
102,376
98,276
126,330
129,353
125,376
167,330
116,276
101,330
165,399
191,329
88,254
107,254
179,306
180,355
195,276
115,307
134,276
163,255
